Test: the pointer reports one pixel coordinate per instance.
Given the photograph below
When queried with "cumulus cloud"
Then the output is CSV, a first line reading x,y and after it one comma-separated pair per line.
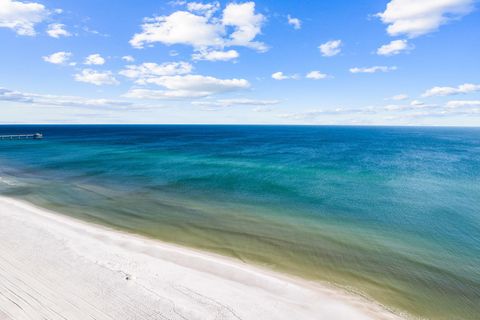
x,y
415,18
63,101
373,69
94,59
206,9
97,78
22,17
247,25
187,86
295,22
330,48
215,55
180,27
60,57
316,75
177,81
222,103
128,58
281,76
140,73
448,91
394,47
57,30
238,26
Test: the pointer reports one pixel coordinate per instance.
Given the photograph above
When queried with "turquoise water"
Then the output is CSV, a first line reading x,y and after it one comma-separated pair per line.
x,y
391,212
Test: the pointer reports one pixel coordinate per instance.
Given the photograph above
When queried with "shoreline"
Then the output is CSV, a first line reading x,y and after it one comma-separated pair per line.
x,y
57,267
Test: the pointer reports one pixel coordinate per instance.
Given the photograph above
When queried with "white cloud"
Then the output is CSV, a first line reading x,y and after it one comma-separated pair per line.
x,y
280,76
415,18
463,103
60,57
202,31
94,59
393,107
150,70
262,109
417,103
95,32
414,105
22,17
247,25
372,69
63,101
295,22
391,112
174,3
309,115
206,9
96,77
394,47
330,48
148,94
180,27
128,58
187,86
57,30
222,103
399,97
215,55
316,75
448,91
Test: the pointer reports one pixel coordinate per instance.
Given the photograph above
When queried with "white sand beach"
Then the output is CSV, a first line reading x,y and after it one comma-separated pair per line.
x,y
56,267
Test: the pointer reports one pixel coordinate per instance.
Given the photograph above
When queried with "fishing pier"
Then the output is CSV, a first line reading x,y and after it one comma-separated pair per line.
x,y
21,136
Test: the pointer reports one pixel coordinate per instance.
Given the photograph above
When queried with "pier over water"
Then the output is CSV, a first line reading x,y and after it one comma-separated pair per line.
x,y
21,136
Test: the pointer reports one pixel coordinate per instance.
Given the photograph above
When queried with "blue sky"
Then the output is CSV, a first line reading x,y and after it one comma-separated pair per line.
x,y
390,62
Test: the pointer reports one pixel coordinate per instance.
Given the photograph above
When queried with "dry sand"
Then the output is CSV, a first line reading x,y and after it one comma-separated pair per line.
x,y
56,267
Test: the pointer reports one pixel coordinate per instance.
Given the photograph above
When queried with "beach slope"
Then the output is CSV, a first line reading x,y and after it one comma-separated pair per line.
x,y
56,267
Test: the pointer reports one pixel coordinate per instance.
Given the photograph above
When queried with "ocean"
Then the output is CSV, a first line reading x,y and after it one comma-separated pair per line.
x,y
392,213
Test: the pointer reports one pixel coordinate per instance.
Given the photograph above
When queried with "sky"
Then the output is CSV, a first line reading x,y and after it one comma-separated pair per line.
x,y
323,62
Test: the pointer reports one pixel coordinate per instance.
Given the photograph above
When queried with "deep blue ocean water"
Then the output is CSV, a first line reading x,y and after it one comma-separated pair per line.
x,y
392,212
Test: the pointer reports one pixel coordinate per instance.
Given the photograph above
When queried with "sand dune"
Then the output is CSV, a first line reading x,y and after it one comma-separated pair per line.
x,y
55,267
